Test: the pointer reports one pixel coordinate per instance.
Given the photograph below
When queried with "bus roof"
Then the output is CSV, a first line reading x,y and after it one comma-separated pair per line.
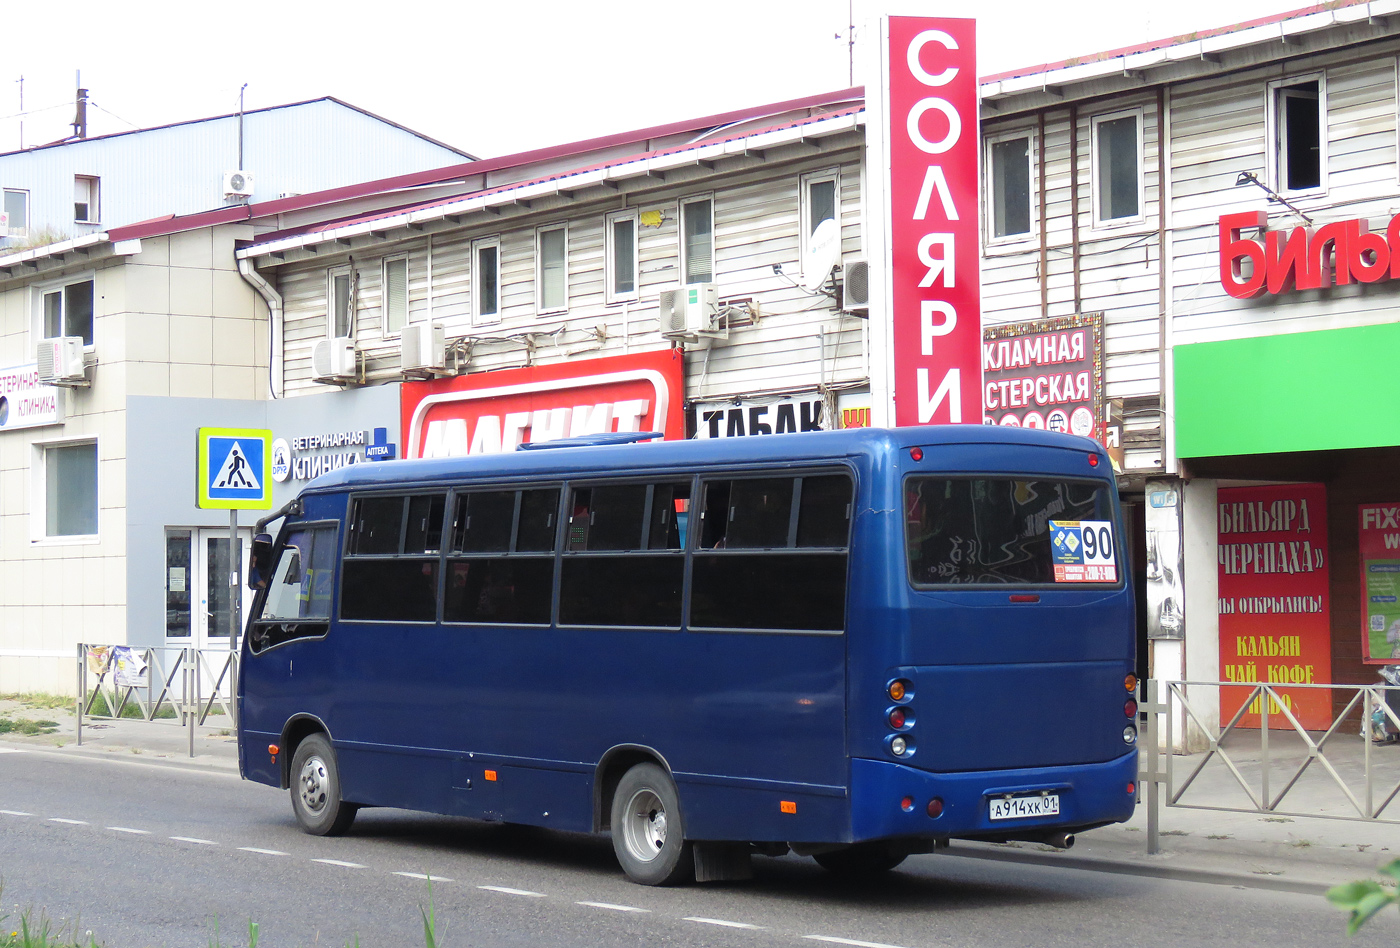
x,y
650,455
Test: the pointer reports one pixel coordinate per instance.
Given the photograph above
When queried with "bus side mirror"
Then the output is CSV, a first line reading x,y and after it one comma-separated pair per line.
x,y
259,561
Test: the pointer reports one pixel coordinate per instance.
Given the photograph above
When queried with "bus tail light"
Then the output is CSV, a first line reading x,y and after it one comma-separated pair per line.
x,y
1130,708
1093,460
1132,788
916,454
899,689
1129,734
1130,683
907,804
899,747
897,718
935,807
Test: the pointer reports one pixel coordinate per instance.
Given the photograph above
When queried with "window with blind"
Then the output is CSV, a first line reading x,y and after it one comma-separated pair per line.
x,y
486,281
340,292
85,199
552,268
819,203
622,256
698,240
395,294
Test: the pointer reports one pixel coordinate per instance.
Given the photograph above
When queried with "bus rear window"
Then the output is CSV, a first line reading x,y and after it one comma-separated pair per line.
x,y
994,531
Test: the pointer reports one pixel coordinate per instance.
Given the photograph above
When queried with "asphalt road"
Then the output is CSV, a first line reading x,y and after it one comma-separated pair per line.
x,y
149,855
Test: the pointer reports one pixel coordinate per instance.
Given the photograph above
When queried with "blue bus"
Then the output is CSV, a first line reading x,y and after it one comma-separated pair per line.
x,y
851,645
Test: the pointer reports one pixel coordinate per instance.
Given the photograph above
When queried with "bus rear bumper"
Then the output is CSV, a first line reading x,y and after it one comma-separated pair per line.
x,y
1086,795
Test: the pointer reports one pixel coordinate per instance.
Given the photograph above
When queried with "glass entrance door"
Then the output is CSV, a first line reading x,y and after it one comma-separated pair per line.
x,y
198,596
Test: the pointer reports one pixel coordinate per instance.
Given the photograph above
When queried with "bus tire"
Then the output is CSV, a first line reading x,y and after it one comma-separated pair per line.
x,y
648,833
316,797
862,859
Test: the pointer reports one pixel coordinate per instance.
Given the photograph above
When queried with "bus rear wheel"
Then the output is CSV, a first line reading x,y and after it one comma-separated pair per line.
x,y
647,831
862,859
316,798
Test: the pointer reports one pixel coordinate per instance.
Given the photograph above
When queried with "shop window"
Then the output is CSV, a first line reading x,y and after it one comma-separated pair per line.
x,y
698,240
67,311
1117,167
1297,120
819,203
1009,187
622,256
17,213
178,566
395,291
85,199
486,281
67,493
340,294
552,269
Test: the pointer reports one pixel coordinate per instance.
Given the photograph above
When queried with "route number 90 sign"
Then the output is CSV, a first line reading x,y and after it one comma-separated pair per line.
x,y
1083,551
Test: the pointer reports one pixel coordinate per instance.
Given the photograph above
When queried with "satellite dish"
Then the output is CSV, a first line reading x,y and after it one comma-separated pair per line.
x,y
823,250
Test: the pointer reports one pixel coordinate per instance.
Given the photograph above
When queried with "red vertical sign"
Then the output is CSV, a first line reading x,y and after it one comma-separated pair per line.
x,y
1274,609
936,316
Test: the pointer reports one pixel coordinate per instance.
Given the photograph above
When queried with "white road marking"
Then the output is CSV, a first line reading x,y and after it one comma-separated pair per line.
x,y
849,941
192,839
508,891
127,829
59,819
15,813
615,908
265,852
10,750
337,862
720,921
419,875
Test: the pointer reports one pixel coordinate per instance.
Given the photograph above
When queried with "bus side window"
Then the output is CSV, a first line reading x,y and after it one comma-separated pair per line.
x,y
715,517
297,604
670,517
825,515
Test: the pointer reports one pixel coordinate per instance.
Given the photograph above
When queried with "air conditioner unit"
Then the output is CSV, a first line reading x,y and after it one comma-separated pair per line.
x,y
334,361
689,312
855,285
61,361
423,348
238,184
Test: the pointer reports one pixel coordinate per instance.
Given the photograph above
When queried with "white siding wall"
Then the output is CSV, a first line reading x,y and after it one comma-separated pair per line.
x,y
756,225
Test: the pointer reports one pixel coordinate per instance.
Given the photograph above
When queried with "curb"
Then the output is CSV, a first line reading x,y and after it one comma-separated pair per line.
x,y
146,758
1122,867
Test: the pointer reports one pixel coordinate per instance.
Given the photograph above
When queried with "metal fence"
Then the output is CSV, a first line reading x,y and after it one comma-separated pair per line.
x,y
1193,759
188,682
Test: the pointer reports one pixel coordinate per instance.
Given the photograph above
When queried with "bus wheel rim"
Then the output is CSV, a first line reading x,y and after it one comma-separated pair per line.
x,y
644,827
313,781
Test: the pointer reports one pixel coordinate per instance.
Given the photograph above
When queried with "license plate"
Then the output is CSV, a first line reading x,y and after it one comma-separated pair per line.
x,y
1017,808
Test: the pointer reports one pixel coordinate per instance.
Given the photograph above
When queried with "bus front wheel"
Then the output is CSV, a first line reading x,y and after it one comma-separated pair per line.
x,y
647,831
862,859
316,798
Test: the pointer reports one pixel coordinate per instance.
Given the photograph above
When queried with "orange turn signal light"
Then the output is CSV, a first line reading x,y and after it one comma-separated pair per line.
x,y
897,690
787,806
1130,682
273,749
490,775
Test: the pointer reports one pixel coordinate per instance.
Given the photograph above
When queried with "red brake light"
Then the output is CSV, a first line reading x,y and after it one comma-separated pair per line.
x,y
1093,460
897,718
1130,708
1132,789
907,804
935,807
916,453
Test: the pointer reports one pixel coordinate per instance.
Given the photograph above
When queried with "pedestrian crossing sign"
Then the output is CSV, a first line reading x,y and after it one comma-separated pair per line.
x,y
234,469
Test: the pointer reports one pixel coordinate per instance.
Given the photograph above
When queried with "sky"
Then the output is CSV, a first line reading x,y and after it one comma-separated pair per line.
x,y
502,77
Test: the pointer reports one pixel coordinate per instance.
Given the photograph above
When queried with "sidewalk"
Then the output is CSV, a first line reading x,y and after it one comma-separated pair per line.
x,y
1289,853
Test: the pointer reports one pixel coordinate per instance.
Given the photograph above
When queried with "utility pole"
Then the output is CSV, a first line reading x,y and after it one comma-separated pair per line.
x,y
21,113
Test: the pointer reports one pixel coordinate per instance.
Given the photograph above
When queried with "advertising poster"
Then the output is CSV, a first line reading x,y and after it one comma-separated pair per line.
x,y
1274,607
1380,583
1045,374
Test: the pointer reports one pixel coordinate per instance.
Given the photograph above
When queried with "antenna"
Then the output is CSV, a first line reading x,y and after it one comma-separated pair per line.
x,y
823,250
240,124
21,113
80,116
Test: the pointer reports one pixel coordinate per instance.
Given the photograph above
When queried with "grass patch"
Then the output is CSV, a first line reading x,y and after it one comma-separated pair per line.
x,y
26,726
39,700
39,931
101,709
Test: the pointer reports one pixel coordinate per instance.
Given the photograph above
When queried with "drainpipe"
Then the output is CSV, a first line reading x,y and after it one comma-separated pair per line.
x,y
274,312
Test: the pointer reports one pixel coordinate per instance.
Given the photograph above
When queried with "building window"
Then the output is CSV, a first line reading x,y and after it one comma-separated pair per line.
x,y
486,280
17,212
69,492
395,294
67,311
819,203
85,195
1009,187
1298,119
1117,167
698,240
340,294
622,256
552,268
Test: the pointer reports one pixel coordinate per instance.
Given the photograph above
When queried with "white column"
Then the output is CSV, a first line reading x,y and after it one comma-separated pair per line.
x,y
1202,584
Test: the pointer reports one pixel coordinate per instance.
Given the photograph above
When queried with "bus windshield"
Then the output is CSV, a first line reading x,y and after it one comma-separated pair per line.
x,y
996,531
